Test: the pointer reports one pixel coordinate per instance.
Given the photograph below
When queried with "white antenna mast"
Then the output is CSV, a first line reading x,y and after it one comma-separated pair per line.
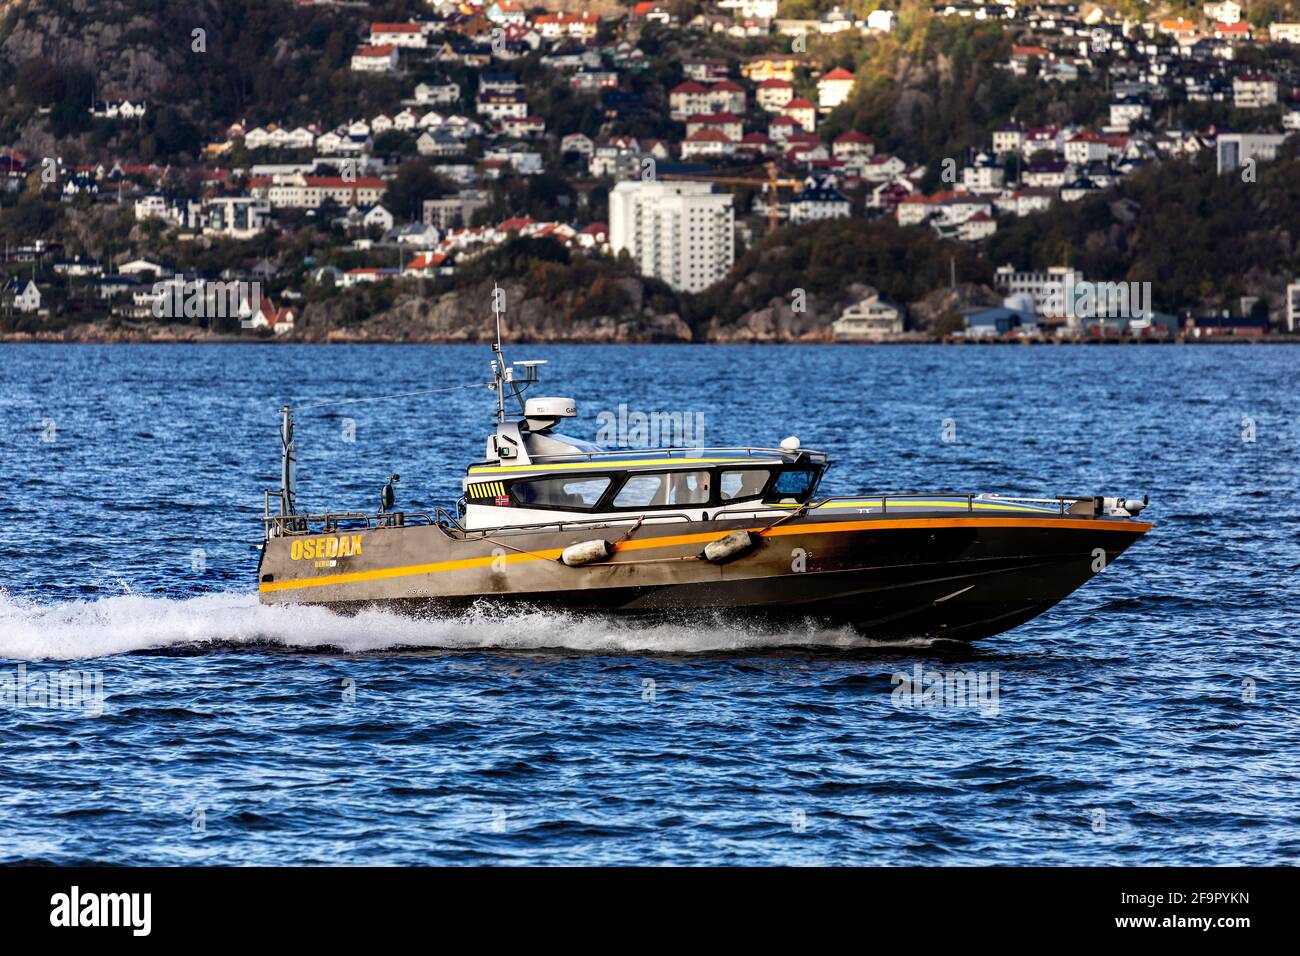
x,y
499,358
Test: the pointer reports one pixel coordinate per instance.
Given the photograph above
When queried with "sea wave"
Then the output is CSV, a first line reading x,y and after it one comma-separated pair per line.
x,y
122,624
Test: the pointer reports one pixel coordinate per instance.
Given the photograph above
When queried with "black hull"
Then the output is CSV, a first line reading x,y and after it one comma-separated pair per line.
x,y
951,601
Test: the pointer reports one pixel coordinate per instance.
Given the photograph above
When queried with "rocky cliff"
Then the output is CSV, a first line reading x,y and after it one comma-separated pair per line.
x,y
464,316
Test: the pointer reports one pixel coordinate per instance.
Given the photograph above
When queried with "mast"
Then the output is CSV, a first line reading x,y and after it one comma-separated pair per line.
x,y
288,462
498,357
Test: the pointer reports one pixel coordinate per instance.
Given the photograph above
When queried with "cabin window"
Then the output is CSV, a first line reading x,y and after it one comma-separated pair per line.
x,y
796,483
663,490
573,493
743,483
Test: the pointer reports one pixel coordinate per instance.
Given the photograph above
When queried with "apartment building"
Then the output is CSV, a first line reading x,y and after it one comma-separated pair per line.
x,y
682,233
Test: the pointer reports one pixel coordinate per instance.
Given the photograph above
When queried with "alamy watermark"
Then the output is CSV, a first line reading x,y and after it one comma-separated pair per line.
x,y
946,689
630,428
58,690
1084,299
202,299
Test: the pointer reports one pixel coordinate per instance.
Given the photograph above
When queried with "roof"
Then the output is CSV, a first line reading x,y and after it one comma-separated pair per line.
x,y
427,260
776,83
799,103
839,73
713,118
383,49
338,182
708,136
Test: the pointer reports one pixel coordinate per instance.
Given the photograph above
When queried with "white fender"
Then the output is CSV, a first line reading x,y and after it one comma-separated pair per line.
x,y
586,552
728,547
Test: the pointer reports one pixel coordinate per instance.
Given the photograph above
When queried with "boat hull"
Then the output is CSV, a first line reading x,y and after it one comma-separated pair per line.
x,y
917,576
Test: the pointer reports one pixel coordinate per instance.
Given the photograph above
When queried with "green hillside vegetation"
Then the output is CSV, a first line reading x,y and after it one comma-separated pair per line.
x,y
1201,239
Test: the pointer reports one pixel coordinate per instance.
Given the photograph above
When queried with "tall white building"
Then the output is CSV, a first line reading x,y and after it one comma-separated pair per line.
x,y
1293,307
682,233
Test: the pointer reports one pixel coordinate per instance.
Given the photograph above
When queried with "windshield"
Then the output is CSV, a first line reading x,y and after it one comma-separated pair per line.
x,y
796,483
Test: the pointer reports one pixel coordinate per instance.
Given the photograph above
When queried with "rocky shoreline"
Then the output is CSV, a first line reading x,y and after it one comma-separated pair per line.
x,y
107,333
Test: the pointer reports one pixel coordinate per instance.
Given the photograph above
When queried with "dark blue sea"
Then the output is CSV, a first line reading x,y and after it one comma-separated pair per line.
x,y
1151,718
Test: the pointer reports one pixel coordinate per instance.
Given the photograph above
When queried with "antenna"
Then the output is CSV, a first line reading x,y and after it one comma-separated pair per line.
x,y
288,463
499,371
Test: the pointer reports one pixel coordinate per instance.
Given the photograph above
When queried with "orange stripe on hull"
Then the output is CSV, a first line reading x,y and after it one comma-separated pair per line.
x,y
645,544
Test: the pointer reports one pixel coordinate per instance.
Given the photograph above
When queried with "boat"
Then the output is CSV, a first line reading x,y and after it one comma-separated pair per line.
x,y
555,522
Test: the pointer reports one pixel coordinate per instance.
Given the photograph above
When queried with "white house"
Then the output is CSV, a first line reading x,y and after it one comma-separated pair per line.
x,y
1223,11
1252,91
803,113
871,319
409,35
881,20
834,88
239,217
375,59
772,94
123,110
819,199
1284,32
983,175
443,93
28,299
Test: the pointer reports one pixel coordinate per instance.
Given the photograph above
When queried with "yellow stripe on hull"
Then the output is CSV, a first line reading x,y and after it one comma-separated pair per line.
x,y
641,463
552,554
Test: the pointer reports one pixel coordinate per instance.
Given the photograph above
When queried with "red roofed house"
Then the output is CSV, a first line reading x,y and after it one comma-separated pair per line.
x,y
782,128
687,99
1022,55
773,94
853,143
729,123
708,143
727,96
1087,147
398,34
267,316
834,88
309,192
595,236
755,144
552,26
914,210
1232,31
802,112
375,59
428,265
524,125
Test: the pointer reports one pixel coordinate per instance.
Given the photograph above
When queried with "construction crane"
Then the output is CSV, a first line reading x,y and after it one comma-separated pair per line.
x,y
772,182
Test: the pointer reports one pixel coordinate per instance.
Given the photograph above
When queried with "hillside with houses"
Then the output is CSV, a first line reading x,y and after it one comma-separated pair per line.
x,y
740,170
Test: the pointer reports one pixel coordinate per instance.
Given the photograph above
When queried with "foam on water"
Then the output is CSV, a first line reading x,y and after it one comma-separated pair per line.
x,y
121,624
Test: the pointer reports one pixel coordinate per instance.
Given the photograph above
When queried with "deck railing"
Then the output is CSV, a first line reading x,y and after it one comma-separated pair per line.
x,y
276,525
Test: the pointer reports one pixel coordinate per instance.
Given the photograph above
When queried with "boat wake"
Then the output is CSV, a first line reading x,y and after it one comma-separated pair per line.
x,y
122,624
